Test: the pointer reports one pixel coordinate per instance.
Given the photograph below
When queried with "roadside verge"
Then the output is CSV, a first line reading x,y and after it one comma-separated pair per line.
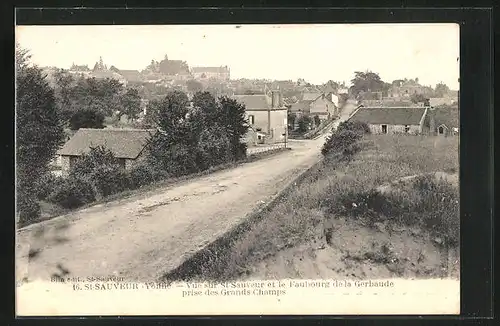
x,y
209,256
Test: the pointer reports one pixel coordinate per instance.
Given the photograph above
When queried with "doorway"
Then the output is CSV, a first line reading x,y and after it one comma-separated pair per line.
x,y
384,129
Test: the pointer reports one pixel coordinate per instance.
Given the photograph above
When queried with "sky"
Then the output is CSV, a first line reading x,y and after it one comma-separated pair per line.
x,y
316,53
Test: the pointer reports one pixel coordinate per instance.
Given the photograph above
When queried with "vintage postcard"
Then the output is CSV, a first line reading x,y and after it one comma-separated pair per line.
x,y
237,169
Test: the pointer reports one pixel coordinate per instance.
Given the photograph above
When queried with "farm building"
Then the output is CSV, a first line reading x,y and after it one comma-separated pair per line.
x,y
266,115
392,120
443,121
126,144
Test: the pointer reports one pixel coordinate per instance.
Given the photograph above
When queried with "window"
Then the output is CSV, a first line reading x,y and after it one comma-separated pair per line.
x,y
384,129
251,119
407,128
441,130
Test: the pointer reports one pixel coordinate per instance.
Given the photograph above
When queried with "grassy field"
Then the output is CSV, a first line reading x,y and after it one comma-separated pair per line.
x,y
338,223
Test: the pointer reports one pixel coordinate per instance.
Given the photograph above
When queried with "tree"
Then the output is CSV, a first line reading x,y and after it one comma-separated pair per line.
x,y
304,123
233,121
194,86
291,120
39,130
334,86
317,120
64,93
170,147
417,98
86,118
441,90
131,103
366,82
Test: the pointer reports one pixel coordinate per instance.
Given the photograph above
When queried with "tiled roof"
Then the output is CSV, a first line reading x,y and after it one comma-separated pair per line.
x,y
301,106
131,75
254,101
389,115
310,96
124,143
448,116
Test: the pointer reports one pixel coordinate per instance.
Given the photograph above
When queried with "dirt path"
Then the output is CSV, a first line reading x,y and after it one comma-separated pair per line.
x,y
142,237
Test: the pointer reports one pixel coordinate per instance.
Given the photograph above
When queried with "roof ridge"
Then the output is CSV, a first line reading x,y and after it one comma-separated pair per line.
x,y
115,129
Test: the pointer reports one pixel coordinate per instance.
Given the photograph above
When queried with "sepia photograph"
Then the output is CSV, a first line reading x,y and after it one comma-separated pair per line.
x,y
237,169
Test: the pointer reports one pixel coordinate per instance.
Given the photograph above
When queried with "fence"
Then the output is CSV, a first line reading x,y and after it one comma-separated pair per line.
x,y
264,148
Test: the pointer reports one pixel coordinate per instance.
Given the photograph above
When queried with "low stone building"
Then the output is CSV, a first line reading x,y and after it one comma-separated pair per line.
x,y
128,145
392,120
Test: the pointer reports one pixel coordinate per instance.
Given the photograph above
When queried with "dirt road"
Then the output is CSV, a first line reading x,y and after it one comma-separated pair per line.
x,y
142,237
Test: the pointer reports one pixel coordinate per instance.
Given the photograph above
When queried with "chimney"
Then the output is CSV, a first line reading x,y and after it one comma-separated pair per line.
x,y
275,100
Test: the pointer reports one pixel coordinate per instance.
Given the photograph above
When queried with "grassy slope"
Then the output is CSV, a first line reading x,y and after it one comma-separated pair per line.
x,y
289,241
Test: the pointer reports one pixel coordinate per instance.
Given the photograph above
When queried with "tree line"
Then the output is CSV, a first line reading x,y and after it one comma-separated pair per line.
x,y
366,85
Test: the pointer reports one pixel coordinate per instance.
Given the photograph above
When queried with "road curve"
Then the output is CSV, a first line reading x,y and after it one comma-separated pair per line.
x,y
142,237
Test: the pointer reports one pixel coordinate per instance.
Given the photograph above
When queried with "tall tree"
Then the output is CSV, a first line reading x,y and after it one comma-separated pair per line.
x,y
441,90
131,103
232,119
169,148
366,82
39,130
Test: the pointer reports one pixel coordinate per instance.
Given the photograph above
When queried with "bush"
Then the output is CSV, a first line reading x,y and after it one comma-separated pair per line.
x,y
97,157
72,193
429,203
109,180
355,126
28,208
341,142
141,175
439,206
45,184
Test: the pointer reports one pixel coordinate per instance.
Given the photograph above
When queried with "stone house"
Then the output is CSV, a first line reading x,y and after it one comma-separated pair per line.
x,y
392,120
128,145
315,104
266,115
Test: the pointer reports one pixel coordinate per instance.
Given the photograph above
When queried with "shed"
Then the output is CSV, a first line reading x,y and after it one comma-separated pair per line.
x,y
126,144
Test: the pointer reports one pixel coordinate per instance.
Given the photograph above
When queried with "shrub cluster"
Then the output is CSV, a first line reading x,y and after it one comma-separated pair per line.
x,y
72,193
343,142
28,208
195,137
429,202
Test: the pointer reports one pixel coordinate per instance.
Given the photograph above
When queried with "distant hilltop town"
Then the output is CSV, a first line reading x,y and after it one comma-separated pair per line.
x,y
157,71
366,88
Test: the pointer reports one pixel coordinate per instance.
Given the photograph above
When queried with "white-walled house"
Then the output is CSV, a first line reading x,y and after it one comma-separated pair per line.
x,y
266,115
